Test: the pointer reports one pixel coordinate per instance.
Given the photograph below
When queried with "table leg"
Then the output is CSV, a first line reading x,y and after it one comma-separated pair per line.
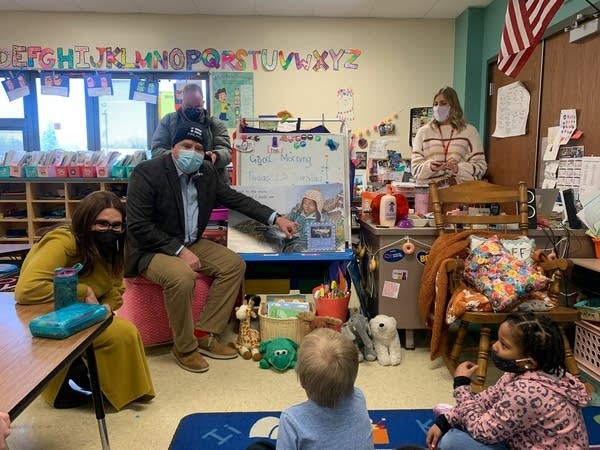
x,y
97,396
410,339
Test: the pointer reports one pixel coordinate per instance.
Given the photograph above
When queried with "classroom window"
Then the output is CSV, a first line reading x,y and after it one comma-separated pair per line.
x,y
61,120
80,122
122,121
8,109
166,95
11,140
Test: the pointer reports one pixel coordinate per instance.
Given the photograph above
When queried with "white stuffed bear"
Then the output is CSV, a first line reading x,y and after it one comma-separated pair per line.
x,y
386,340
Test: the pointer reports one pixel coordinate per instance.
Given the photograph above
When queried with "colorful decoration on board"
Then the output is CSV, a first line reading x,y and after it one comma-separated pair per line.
x,y
16,87
83,57
55,84
143,90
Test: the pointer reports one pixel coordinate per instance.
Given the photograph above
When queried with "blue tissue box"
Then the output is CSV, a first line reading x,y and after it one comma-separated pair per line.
x,y
67,321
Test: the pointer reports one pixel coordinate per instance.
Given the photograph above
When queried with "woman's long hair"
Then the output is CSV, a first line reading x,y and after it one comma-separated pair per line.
x,y
84,218
456,113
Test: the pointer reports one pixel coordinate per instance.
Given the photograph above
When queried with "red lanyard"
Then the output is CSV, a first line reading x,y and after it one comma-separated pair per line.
x,y
447,145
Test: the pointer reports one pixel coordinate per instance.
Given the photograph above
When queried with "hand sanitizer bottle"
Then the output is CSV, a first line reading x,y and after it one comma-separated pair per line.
x,y
387,209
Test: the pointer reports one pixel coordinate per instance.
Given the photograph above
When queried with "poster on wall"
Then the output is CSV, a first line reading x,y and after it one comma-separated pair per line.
x,y
345,104
232,96
98,85
418,118
16,87
512,110
55,84
143,90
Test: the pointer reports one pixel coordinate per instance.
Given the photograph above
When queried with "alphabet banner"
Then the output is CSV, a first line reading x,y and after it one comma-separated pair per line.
x,y
82,57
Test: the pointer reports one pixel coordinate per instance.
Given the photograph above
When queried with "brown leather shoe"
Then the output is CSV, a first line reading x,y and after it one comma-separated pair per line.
x,y
192,361
211,347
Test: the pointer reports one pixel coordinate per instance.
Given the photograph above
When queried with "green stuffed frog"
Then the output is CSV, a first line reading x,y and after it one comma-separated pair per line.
x,y
279,353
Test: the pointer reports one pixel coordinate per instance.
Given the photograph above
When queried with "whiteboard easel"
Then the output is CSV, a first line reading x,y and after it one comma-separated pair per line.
x,y
299,158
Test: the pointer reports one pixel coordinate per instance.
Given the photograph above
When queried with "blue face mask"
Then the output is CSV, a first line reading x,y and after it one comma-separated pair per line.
x,y
189,161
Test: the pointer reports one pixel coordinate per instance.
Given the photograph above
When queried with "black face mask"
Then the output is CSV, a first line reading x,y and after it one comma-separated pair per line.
x,y
193,114
512,365
107,243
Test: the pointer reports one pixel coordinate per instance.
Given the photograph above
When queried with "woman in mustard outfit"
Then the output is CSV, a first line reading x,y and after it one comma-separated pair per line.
x,y
94,239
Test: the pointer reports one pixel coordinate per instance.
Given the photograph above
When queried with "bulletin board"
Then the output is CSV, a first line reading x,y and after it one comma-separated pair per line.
x,y
284,163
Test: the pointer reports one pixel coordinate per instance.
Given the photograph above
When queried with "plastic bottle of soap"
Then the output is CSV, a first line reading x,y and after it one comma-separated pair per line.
x,y
387,209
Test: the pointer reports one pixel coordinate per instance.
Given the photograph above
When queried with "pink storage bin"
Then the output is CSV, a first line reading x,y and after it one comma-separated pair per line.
x,y
144,306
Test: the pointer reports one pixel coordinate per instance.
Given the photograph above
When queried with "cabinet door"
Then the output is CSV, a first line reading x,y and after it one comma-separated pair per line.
x,y
513,159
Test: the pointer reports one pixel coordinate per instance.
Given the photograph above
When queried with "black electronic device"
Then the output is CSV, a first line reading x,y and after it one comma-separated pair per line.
x,y
568,196
531,209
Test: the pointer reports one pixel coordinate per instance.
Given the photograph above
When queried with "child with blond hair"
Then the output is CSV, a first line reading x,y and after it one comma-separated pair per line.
x,y
335,414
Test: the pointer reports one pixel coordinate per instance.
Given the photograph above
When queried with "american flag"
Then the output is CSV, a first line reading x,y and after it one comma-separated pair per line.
x,y
526,21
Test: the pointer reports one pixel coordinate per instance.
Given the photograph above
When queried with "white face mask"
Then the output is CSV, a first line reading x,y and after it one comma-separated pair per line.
x,y
441,112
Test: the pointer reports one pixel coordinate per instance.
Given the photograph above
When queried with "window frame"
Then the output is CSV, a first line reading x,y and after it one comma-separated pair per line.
x,y
29,125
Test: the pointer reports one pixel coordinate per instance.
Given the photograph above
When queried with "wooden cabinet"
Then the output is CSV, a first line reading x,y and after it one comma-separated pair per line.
x,y
30,206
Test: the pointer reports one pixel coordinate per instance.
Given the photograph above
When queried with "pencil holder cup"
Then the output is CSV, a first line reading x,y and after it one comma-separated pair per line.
x,y
333,307
65,286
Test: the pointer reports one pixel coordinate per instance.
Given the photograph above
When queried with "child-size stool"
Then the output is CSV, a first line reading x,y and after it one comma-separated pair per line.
x,y
144,306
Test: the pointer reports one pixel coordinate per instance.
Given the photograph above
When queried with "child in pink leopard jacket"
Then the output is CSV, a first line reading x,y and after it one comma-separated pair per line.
x,y
536,404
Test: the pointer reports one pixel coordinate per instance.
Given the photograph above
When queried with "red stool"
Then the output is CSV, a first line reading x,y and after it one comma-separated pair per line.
x,y
143,305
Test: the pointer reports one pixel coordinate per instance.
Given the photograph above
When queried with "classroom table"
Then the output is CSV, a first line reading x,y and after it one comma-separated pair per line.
x,y
16,251
28,363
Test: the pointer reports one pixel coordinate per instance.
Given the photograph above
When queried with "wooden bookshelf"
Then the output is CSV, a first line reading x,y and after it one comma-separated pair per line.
x,y
28,205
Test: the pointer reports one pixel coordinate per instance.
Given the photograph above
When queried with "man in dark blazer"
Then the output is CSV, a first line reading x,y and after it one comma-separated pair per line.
x,y
169,202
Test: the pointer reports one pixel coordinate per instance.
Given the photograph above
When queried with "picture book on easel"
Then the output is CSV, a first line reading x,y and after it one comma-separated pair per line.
x,y
318,210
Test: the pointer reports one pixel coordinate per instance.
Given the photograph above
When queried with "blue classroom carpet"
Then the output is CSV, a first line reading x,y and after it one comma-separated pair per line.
x,y
393,427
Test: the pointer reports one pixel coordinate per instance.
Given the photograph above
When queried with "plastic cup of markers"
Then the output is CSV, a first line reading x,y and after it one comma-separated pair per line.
x,y
333,307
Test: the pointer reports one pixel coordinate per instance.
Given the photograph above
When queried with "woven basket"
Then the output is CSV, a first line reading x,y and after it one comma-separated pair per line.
x,y
271,328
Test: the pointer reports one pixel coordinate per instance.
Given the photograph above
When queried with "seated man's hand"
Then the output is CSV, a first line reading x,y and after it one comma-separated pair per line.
x,y
191,259
287,226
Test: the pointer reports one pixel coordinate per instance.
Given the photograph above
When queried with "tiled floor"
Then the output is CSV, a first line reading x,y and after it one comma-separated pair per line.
x,y
235,385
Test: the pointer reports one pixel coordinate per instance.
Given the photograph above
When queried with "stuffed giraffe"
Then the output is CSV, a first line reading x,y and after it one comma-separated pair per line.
x,y
248,340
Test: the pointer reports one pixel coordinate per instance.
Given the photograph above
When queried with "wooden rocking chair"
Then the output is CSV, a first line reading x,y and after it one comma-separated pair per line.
x,y
513,201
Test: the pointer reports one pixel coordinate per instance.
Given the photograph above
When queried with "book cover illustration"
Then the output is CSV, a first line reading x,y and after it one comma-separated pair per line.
x,y
318,210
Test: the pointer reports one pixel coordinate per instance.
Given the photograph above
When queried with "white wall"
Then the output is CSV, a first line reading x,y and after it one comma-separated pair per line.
x,y
403,62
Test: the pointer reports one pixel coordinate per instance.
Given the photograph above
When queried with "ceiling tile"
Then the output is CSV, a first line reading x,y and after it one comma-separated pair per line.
x,y
410,9
284,7
444,9
343,8
226,7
